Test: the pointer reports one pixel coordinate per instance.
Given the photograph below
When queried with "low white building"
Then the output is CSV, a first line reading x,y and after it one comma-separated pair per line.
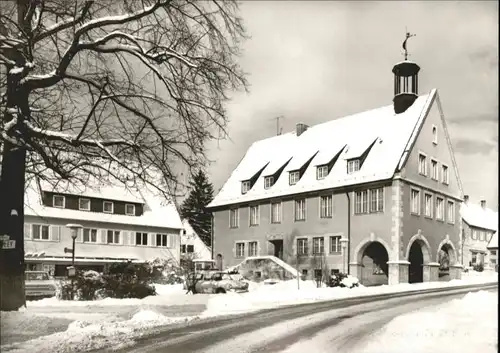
x,y
192,246
479,223
493,252
118,224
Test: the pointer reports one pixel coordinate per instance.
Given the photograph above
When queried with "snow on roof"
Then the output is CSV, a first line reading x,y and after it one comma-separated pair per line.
x,y
477,216
493,243
158,212
357,131
102,192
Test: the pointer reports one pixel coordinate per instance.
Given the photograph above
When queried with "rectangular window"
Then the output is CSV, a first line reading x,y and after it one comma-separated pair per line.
x,y
474,234
245,186
352,166
190,249
361,202
240,249
415,201
434,170
294,178
422,164
445,174
440,208
335,244
428,205
481,235
318,246
141,238
252,248
276,212
451,212
183,248
58,201
326,206
107,206
89,235
300,210
321,172
302,246
40,232
234,218
84,204
377,200
254,215
268,182
162,240
304,272
129,209
493,252
113,237
474,258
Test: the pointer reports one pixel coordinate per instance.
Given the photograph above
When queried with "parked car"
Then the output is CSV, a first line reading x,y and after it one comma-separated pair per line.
x,y
216,282
38,284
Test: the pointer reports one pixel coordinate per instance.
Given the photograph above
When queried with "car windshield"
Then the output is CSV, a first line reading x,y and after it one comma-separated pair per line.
x,y
226,276
37,276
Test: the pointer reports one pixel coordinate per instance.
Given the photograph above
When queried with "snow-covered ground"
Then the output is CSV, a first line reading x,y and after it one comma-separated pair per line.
x,y
68,326
469,324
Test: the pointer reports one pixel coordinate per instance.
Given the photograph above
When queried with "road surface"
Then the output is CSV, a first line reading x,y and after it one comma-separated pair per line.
x,y
312,328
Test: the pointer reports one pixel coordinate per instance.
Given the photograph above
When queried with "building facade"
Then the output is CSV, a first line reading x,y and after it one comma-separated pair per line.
x,y
479,225
376,194
493,252
116,225
192,247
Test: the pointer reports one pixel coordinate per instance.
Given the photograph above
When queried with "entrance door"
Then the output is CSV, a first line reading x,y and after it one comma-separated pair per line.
x,y
278,248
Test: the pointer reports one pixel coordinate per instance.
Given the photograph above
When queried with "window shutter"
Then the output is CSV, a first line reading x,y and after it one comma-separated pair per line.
x,y
170,241
79,237
27,231
131,238
55,233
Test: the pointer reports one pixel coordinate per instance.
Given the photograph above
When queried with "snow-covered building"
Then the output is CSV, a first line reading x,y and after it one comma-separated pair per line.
x,y
493,252
192,247
479,223
376,194
118,224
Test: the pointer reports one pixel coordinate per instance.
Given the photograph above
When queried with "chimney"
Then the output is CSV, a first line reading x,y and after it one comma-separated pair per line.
x,y
300,128
483,204
466,199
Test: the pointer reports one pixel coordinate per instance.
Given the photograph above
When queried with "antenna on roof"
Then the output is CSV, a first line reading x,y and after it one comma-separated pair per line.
x,y
279,129
408,36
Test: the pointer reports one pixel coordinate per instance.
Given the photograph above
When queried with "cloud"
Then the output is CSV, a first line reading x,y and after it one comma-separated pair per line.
x,y
320,60
467,146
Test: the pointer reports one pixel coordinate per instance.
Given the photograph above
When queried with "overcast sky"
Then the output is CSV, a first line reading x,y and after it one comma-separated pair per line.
x,y
317,61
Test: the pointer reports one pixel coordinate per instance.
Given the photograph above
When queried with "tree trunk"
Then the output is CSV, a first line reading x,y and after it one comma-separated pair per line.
x,y
12,295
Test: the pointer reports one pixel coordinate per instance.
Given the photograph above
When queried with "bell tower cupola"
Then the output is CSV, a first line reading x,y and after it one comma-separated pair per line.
x,y
405,81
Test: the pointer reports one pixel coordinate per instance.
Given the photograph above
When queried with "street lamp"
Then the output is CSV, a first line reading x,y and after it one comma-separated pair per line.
x,y
71,270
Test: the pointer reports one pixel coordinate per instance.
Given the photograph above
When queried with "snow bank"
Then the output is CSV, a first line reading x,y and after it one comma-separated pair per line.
x,y
262,296
469,324
83,335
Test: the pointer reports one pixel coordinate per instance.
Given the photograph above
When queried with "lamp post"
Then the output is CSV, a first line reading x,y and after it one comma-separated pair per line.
x,y
71,270
343,244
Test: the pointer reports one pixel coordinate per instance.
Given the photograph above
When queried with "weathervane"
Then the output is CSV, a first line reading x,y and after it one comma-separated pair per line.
x,y
408,36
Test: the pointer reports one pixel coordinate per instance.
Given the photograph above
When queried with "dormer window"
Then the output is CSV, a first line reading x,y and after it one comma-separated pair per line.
x,y
58,201
321,172
245,186
268,182
352,166
107,207
84,204
130,209
294,177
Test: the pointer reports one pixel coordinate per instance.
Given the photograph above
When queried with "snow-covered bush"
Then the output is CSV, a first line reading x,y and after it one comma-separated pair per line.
x,y
85,286
343,280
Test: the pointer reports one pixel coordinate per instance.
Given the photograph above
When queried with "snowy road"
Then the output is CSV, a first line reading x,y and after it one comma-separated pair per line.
x,y
321,327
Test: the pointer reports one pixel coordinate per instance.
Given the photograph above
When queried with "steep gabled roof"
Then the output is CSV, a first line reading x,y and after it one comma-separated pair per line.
x,y
477,216
390,132
158,212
